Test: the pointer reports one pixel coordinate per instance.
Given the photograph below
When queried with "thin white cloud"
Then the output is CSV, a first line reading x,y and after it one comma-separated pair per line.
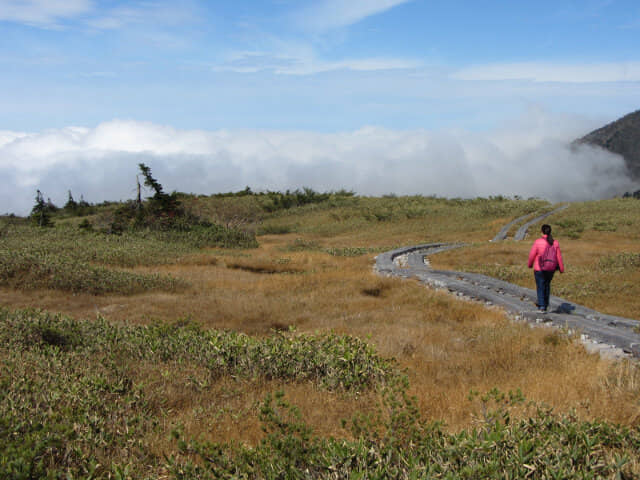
x,y
118,18
328,14
101,163
552,72
42,12
98,74
308,64
158,13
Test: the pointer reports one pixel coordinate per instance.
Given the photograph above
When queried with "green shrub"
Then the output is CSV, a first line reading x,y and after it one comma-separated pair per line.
x,y
31,272
397,443
332,361
619,262
275,229
570,227
282,201
70,406
79,260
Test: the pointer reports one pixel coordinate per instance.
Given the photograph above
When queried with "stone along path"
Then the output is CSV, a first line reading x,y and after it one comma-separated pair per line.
x,y
608,334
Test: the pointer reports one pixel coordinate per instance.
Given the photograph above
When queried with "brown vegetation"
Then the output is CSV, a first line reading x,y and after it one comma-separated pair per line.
x,y
449,347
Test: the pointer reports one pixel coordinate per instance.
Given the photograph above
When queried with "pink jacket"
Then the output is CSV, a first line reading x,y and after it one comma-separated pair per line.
x,y
538,249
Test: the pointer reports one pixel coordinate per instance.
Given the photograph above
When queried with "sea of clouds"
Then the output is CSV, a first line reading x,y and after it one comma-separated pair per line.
x,y
531,157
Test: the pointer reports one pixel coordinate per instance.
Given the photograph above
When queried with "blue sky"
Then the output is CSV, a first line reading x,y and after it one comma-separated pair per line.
x,y
325,65
252,84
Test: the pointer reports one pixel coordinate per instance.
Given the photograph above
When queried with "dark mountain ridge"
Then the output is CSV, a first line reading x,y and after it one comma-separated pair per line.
x,y
622,137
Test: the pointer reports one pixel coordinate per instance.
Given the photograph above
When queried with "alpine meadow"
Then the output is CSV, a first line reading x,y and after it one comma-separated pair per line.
x,y
246,335
290,240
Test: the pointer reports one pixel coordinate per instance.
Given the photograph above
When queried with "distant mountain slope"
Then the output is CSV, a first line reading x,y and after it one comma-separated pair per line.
x,y
621,137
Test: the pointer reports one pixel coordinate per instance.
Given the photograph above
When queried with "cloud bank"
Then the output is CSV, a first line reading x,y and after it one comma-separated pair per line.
x,y
531,157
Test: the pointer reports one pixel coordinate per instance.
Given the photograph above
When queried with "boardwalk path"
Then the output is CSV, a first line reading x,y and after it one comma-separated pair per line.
x,y
522,231
608,334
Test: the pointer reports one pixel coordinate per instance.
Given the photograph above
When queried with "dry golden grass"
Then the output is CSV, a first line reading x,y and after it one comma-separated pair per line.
x,y
587,279
448,346
228,410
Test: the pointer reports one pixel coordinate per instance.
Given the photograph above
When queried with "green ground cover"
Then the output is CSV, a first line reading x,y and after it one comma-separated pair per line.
x,y
373,219
399,444
71,259
72,406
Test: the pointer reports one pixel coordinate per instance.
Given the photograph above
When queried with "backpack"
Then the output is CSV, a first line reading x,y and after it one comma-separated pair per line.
x,y
549,259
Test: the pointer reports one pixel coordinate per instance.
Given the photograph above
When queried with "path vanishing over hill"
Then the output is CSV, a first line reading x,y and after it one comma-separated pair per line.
x,y
521,233
608,334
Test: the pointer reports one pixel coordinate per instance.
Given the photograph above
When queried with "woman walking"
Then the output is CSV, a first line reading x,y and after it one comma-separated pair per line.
x,y
545,258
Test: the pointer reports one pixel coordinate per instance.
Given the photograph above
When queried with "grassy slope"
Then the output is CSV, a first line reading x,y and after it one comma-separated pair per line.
x,y
320,280
600,242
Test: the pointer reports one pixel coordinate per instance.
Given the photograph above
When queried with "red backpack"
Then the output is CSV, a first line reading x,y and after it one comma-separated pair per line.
x,y
548,261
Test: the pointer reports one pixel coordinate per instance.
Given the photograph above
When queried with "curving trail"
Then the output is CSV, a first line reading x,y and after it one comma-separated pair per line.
x,y
522,231
608,334
502,234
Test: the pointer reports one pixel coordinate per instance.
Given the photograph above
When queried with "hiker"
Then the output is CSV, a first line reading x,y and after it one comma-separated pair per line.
x,y
545,258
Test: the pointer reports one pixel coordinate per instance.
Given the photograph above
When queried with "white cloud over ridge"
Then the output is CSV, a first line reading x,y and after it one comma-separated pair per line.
x,y
531,158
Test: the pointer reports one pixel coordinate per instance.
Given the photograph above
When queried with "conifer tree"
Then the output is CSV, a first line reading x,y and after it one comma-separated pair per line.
x,y
71,205
40,213
162,205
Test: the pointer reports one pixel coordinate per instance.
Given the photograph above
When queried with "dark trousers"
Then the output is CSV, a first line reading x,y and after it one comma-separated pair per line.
x,y
543,287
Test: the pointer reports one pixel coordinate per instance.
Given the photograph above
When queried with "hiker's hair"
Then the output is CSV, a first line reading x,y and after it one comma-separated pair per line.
x,y
546,230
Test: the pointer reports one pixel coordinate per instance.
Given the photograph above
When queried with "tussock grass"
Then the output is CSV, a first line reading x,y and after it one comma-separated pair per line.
x,y
281,265
379,288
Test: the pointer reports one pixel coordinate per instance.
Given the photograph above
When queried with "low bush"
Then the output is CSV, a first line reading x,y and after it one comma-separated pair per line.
x,y
26,271
131,249
332,361
619,262
398,443
75,260
570,227
275,201
275,229
73,406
